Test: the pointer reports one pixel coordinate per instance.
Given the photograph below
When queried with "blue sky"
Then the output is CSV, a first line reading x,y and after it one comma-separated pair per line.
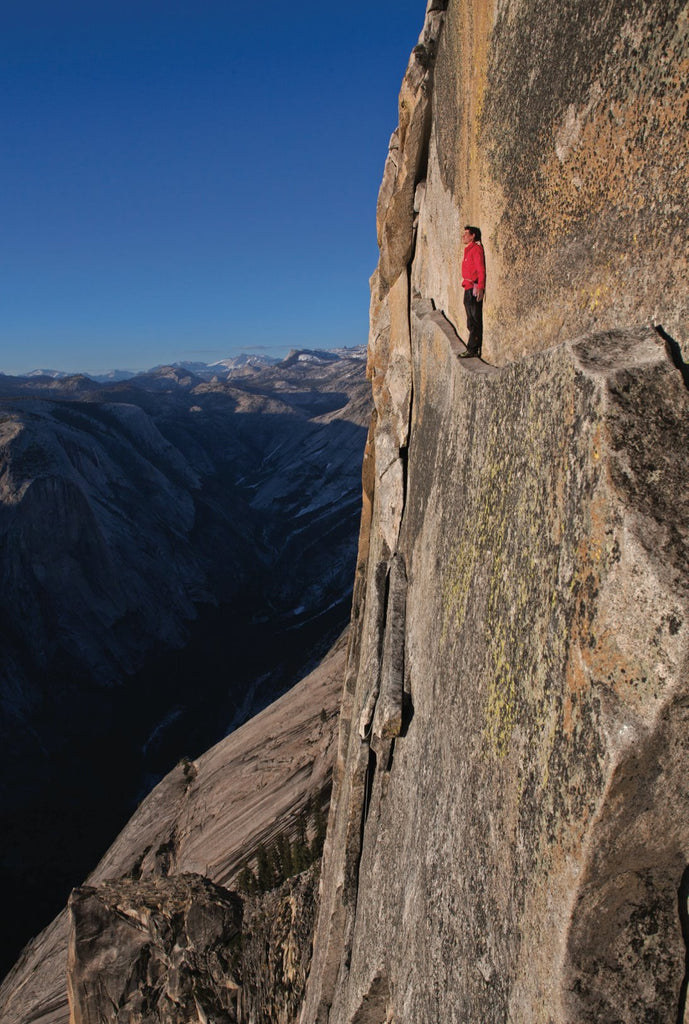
x,y
188,180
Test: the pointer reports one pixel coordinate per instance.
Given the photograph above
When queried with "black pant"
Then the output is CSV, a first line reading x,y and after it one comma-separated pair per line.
x,y
474,311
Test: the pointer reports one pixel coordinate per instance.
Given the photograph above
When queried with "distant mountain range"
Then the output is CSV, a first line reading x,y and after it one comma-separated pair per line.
x,y
222,369
176,549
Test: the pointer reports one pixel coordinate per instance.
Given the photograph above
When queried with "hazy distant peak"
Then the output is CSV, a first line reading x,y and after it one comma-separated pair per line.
x,y
353,352
176,374
47,373
113,376
73,381
307,355
244,359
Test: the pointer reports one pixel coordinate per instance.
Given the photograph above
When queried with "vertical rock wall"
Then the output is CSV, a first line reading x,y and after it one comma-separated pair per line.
x,y
561,129
508,838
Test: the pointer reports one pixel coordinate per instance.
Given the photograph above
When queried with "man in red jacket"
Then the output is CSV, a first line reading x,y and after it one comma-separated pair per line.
x,y
474,284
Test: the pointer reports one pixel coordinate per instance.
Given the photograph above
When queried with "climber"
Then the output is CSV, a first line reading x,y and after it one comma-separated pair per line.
x,y
474,284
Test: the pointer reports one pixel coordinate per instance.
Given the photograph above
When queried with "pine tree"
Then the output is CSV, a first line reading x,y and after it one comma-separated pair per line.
x,y
247,882
264,874
300,856
320,826
284,853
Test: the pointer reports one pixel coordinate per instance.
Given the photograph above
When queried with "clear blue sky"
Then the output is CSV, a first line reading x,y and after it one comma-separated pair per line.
x,y
187,179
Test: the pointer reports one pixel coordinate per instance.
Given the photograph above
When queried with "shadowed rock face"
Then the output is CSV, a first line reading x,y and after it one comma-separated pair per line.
x,y
164,950
175,553
508,836
277,932
176,949
176,862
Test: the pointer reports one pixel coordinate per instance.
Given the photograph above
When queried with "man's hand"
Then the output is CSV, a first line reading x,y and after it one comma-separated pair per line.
x,y
480,292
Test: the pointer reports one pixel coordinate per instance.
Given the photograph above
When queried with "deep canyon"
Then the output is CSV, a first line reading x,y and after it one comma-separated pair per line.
x,y
176,551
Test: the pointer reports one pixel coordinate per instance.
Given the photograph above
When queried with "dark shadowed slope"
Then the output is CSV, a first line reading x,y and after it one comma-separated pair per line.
x,y
174,553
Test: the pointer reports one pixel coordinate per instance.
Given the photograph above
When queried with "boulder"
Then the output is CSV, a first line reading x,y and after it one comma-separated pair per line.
x,y
166,949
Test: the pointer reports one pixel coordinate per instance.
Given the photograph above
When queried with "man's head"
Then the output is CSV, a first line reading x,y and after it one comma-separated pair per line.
x,y
471,234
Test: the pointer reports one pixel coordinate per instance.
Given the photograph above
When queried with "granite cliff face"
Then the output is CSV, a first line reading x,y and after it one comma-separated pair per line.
x,y
508,838
509,833
560,129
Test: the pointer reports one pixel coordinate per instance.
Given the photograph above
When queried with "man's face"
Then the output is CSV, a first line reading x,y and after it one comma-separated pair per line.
x,y
467,237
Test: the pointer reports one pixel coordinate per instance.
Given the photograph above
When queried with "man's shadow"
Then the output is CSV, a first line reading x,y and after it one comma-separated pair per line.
x,y
675,353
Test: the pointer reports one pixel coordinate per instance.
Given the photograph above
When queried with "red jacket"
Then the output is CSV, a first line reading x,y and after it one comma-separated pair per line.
x,y
474,266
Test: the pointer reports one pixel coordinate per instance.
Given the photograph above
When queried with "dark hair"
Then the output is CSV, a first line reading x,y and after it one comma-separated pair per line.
x,y
476,232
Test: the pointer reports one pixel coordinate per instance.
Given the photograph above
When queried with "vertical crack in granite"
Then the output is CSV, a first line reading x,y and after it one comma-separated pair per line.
x,y
389,361
683,911
387,720
371,671
390,372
